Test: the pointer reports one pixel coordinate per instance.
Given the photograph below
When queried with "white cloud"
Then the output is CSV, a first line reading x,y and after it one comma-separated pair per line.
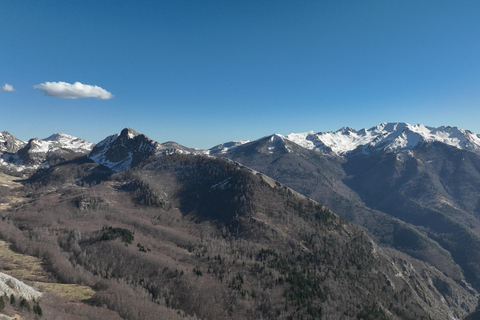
x,y
73,91
7,87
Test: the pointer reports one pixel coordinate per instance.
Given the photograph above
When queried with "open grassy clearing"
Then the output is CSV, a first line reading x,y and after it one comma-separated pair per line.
x,y
20,266
70,292
29,269
9,181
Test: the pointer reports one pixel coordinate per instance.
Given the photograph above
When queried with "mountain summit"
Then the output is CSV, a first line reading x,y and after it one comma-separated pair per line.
x,y
124,150
66,141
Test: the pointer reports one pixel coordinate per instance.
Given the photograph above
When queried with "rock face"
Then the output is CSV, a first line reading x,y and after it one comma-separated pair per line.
x,y
125,150
10,285
129,148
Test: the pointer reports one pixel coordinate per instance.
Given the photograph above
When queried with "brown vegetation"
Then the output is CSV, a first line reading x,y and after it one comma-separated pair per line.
x,y
194,237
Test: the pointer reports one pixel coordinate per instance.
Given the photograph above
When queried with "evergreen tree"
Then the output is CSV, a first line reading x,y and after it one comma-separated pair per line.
x,y
24,304
37,309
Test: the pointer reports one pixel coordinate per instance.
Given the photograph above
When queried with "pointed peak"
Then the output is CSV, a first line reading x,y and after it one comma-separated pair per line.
x,y
6,133
347,130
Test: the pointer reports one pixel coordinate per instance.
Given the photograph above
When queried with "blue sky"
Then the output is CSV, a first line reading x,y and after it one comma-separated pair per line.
x,y
205,72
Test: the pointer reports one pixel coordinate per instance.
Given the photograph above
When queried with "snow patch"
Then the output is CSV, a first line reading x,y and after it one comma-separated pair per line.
x,y
221,185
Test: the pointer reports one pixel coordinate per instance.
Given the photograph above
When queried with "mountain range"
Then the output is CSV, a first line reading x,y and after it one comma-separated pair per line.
x,y
415,190
412,180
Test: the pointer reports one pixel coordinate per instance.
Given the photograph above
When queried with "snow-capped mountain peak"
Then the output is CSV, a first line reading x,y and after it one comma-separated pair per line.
x,y
128,148
124,150
59,137
19,156
277,142
406,136
65,141
9,143
387,136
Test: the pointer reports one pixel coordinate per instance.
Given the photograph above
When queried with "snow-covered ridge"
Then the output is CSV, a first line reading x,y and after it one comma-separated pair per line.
x,y
59,141
19,156
386,136
70,142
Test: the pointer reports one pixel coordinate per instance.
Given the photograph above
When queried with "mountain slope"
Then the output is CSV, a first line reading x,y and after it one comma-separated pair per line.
x,y
321,177
414,188
204,236
435,188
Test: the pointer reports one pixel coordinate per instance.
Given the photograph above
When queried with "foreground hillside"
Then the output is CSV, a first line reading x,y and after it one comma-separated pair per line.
x,y
190,236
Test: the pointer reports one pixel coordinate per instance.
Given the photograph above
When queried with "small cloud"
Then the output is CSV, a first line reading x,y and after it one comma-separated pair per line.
x,y
73,91
7,87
